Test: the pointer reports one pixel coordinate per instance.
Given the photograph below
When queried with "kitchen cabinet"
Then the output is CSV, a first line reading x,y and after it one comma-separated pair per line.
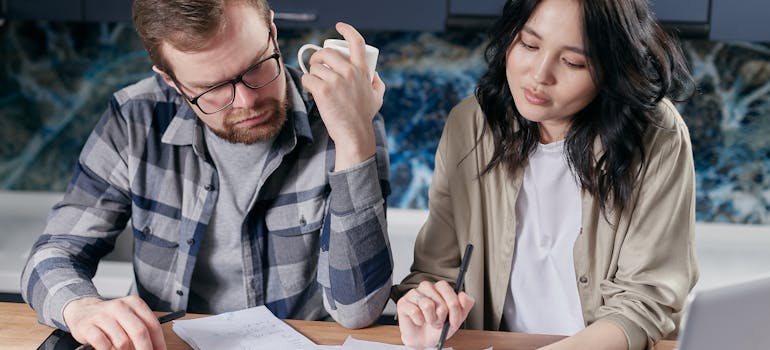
x,y
415,15
740,20
56,10
665,10
107,10
424,15
476,7
681,10
69,10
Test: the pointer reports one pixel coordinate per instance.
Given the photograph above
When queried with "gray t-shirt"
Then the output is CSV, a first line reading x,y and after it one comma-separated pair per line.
x,y
218,281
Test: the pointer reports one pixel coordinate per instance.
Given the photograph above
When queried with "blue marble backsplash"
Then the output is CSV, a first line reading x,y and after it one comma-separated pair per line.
x,y
57,77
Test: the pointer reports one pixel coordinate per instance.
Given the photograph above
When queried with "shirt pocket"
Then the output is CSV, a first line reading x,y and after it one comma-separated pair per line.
x,y
157,230
293,244
296,218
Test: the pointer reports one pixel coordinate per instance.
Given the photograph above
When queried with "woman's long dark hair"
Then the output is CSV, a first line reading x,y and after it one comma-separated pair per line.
x,y
634,64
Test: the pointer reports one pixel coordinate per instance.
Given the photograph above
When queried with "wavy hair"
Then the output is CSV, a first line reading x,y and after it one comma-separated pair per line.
x,y
634,63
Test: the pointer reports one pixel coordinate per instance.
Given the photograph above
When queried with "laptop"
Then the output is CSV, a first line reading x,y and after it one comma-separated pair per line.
x,y
735,316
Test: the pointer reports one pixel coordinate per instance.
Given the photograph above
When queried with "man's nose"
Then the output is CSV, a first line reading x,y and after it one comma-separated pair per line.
x,y
244,96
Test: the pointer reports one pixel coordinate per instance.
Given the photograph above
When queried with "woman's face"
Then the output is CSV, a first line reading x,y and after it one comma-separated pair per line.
x,y
547,69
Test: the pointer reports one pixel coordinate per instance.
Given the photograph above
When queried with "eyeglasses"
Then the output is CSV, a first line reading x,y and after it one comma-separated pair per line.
x,y
222,95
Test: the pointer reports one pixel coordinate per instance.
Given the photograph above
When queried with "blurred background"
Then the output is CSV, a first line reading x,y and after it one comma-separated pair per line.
x,y
61,60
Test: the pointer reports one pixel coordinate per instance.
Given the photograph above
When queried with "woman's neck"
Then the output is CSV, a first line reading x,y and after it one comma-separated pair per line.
x,y
553,131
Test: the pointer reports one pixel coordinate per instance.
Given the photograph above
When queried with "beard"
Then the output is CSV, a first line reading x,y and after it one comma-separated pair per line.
x,y
274,112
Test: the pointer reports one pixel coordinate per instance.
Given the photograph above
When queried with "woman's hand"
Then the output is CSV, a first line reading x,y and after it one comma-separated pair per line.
x,y
423,310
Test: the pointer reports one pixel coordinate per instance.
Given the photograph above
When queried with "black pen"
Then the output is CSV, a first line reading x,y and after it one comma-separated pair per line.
x,y
162,319
458,287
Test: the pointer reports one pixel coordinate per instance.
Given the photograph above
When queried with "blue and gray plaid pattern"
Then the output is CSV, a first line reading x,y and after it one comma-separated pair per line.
x,y
314,244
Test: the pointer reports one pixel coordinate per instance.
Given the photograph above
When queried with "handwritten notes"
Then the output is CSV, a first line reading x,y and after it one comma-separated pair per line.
x,y
256,329
253,328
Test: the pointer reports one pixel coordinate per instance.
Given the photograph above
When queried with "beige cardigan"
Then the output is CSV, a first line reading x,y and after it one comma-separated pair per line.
x,y
636,273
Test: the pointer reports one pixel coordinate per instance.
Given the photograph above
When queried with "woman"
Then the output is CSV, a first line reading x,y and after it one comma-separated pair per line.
x,y
572,175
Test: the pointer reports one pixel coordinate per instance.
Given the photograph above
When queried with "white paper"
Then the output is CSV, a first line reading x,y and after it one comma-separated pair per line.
x,y
357,344
253,328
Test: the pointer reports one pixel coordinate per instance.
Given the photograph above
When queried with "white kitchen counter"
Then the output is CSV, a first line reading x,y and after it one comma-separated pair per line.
x,y
726,253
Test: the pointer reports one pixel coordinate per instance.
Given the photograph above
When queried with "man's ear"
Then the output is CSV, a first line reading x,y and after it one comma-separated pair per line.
x,y
273,28
166,78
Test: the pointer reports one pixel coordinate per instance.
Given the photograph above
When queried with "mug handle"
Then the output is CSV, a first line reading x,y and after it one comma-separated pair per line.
x,y
302,50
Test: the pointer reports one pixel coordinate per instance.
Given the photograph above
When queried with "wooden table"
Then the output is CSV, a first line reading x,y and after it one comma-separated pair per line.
x,y
19,330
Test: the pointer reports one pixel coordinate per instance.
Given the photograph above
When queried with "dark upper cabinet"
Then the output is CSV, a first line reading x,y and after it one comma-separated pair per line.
x,y
665,10
69,10
421,15
427,15
476,7
107,10
740,20
58,10
681,10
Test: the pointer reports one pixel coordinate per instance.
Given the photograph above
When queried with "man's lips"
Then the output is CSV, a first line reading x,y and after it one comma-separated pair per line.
x,y
251,121
536,98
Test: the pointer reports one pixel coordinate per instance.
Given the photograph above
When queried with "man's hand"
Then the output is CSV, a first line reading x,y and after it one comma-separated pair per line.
x,y
119,323
423,310
347,97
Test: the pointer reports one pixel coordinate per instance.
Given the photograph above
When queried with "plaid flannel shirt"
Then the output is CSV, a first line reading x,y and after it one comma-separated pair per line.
x,y
314,242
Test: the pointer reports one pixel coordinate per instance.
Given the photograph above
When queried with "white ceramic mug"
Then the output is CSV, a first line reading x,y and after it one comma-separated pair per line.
x,y
341,46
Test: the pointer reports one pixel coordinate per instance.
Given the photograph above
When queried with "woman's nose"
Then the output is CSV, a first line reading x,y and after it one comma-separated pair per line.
x,y
543,71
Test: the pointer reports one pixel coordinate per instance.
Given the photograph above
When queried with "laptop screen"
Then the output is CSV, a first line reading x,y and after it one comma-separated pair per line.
x,y
735,316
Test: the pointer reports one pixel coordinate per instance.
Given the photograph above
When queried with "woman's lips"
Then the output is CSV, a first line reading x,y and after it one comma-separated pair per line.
x,y
536,98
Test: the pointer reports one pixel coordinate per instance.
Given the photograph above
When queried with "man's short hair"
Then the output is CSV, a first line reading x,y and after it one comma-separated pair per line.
x,y
187,25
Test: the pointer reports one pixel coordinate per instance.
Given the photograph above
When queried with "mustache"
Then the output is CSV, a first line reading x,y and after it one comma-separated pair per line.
x,y
237,115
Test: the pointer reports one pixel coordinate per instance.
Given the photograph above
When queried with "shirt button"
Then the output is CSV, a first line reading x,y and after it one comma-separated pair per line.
x,y
179,292
190,241
209,187
147,230
302,221
583,279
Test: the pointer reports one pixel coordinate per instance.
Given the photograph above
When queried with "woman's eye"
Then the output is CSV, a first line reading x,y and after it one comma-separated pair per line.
x,y
574,65
527,46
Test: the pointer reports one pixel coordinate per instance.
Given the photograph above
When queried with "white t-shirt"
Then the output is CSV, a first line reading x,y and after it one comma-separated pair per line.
x,y
543,296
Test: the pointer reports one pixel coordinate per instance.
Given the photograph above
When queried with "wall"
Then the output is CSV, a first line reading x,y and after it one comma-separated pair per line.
x,y
56,79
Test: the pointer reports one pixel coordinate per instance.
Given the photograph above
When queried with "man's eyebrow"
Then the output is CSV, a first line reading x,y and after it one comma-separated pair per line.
x,y
260,57
574,49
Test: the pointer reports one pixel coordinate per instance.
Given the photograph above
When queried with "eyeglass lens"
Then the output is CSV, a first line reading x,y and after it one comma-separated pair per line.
x,y
222,96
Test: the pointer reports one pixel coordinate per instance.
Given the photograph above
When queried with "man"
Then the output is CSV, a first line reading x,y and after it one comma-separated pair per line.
x,y
242,190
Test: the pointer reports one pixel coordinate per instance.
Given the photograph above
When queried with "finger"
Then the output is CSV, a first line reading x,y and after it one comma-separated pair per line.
x,y
96,338
323,72
142,310
466,302
433,306
136,330
337,62
378,85
115,333
312,83
408,311
454,308
356,43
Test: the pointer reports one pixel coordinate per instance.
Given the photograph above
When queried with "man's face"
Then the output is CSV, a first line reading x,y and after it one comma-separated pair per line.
x,y
255,114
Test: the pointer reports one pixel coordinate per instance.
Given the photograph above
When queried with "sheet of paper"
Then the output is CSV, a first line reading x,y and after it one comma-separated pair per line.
x,y
357,344
254,328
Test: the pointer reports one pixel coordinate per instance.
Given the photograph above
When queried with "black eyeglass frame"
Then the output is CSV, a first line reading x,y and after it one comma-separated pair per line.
x,y
238,79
